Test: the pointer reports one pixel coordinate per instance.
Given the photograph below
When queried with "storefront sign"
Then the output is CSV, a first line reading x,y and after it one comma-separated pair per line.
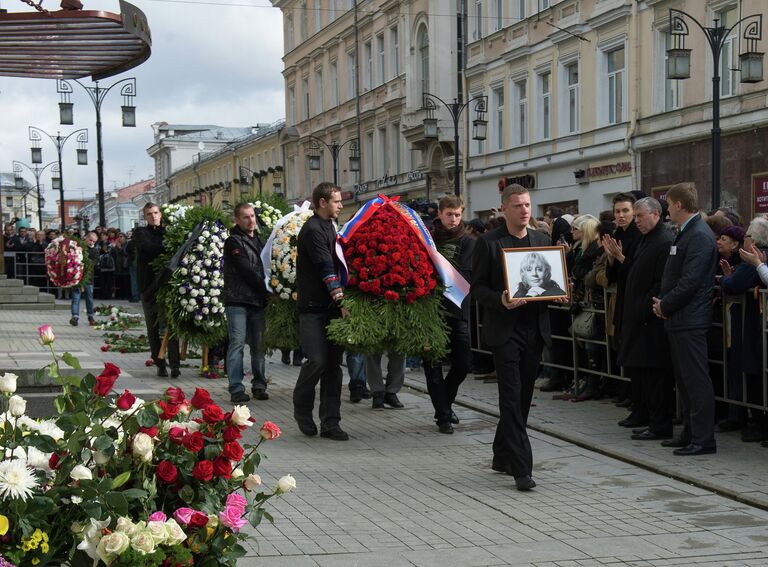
x,y
386,181
760,193
390,181
346,195
527,180
609,170
660,193
360,188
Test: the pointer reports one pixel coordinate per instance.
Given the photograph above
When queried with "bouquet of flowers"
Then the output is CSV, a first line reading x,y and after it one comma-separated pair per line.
x,y
393,292
267,214
122,481
279,255
120,319
269,210
64,262
173,212
124,342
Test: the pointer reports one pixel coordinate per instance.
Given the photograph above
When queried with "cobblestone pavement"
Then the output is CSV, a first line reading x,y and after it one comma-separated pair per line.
x,y
401,494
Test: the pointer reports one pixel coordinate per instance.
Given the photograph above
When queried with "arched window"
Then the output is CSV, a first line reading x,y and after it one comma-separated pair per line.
x,y
423,43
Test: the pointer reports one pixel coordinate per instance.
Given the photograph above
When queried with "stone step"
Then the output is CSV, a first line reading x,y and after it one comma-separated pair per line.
x,y
22,298
30,290
10,283
27,306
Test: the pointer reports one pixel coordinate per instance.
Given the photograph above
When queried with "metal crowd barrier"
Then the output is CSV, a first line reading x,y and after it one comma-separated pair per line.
x,y
609,369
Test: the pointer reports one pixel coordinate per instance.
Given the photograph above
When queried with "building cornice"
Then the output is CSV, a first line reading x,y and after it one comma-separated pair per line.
x,y
610,16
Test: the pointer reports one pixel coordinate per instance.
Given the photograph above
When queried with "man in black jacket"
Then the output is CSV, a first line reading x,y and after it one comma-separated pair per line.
x,y
456,245
644,352
685,303
515,329
149,245
244,298
319,290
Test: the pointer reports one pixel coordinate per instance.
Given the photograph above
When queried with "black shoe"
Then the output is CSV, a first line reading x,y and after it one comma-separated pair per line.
x,y
676,442
501,467
623,403
378,401
649,435
307,427
729,425
239,398
260,395
639,430
551,385
73,321
764,444
445,428
175,372
355,395
524,483
634,422
691,450
286,358
297,362
337,434
454,418
392,401
366,394
162,371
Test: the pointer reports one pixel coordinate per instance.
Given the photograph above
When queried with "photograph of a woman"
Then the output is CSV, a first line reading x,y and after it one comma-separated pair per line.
x,y
536,274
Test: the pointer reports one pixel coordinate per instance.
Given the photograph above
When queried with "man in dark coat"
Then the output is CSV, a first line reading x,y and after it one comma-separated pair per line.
x,y
515,329
645,349
685,303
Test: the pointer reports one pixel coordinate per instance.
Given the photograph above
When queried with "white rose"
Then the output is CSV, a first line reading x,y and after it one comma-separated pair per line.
x,y
198,317
112,545
158,532
251,482
196,279
207,262
286,484
125,525
17,406
182,290
238,473
194,293
199,247
143,542
204,283
176,535
100,458
8,382
142,447
190,308
205,311
184,271
241,415
81,472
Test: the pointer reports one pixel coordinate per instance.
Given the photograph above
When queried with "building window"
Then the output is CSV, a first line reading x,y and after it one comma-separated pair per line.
x,y
394,48
498,118
615,60
72,211
545,110
318,16
728,55
477,20
395,137
334,84
383,152
543,5
520,9
351,75
521,112
381,70
571,72
303,15
423,43
671,86
291,105
499,14
368,69
305,93
318,91
289,39
368,155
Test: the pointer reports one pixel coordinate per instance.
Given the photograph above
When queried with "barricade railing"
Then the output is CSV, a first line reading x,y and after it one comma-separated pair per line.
x,y
603,347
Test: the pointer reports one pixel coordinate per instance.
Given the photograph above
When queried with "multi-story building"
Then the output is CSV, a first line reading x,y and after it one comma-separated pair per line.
x,y
250,165
121,209
71,213
18,203
580,107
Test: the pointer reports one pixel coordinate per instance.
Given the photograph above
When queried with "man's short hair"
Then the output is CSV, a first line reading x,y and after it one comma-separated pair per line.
x,y
450,202
623,198
148,206
555,212
324,190
513,189
649,204
240,207
685,195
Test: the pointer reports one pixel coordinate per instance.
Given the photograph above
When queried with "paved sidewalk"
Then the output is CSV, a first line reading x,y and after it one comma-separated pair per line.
x,y
401,494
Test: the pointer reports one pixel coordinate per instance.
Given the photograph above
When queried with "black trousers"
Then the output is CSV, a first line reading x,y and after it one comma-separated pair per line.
x,y
517,364
657,396
155,328
442,391
697,396
323,365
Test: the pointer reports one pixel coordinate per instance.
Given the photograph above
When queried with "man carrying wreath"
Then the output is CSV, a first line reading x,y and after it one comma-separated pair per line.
x,y
515,329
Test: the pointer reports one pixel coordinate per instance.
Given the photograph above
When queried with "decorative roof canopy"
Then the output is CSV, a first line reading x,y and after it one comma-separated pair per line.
x,y
70,44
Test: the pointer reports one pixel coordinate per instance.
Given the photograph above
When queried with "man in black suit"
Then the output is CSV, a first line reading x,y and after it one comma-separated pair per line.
x,y
515,329
644,352
685,303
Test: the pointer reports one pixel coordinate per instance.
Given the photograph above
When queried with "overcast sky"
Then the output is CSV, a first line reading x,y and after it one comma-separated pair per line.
x,y
213,62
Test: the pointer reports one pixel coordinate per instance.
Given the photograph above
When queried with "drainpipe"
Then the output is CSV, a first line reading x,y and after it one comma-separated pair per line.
x,y
357,101
632,128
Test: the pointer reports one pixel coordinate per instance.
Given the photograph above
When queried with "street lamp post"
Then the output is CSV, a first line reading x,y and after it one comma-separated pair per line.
x,y
97,95
314,155
479,125
260,175
36,135
750,67
18,168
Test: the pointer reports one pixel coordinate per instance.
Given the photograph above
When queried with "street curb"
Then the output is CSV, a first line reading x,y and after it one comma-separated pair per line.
x,y
624,457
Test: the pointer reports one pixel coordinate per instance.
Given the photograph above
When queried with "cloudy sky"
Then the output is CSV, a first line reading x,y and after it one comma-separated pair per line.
x,y
213,62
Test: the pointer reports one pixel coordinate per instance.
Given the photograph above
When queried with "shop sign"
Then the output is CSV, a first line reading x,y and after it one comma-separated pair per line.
x,y
386,181
527,180
760,193
346,195
660,193
609,170
390,181
360,188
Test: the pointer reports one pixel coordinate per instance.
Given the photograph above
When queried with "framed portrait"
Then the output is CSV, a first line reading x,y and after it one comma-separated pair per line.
x,y
536,274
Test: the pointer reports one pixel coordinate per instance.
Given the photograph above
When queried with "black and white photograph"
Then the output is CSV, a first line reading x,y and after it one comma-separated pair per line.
x,y
537,274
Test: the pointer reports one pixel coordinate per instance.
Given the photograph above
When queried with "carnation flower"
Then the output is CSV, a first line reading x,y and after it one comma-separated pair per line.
x,y
17,480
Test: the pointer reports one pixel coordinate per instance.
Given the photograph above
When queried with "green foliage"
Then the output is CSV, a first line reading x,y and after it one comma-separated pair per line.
x,y
376,325
282,325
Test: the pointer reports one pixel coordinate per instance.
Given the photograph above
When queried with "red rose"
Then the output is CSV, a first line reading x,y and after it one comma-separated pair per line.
x,y
222,467
53,462
231,433
167,472
169,410
104,385
104,348
175,395
110,370
232,451
391,295
151,431
177,434
194,442
201,399
198,520
203,471
126,401
213,414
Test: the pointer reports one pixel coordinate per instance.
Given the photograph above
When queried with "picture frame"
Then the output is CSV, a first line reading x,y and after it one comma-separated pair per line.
x,y
536,273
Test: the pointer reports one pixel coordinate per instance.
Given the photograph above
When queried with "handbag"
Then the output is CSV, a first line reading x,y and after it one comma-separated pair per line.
x,y
584,324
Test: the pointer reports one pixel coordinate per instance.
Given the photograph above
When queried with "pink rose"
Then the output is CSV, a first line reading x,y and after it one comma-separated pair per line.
x,y
184,515
235,500
269,431
157,517
231,518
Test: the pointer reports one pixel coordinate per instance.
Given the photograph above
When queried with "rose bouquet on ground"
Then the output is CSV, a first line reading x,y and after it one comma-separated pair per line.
x,y
124,342
123,481
279,255
64,262
395,280
120,320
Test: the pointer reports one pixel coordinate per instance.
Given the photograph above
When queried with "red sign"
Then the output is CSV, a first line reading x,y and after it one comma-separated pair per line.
x,y
760,193
660,193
